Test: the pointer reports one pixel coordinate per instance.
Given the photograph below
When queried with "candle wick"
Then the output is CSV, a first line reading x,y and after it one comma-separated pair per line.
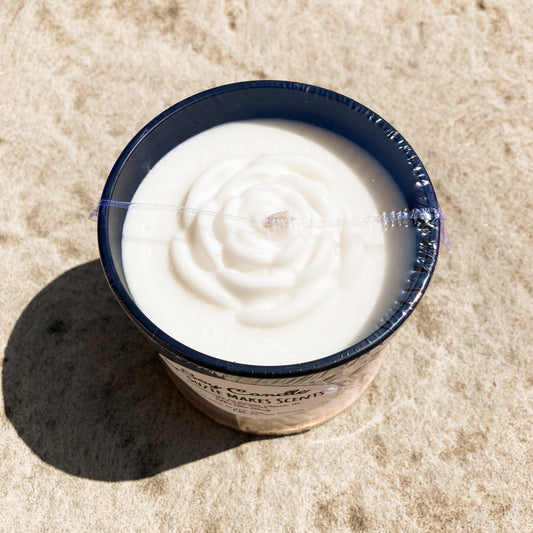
x,y
277,221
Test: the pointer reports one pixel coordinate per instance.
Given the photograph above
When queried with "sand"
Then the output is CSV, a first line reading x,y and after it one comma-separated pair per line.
x,y
93,434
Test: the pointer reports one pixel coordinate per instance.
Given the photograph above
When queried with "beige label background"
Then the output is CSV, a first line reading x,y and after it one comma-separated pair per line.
x,y
254,401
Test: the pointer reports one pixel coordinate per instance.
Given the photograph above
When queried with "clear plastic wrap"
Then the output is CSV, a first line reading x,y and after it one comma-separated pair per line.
x,y
281,398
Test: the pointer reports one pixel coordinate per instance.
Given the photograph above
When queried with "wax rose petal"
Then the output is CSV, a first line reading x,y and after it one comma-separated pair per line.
x,y
245,266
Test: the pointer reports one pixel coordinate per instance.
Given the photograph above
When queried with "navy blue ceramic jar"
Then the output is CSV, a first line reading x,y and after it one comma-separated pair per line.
x,y
287,398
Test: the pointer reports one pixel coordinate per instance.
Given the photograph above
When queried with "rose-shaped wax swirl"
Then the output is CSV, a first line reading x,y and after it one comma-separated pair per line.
x,y
264,260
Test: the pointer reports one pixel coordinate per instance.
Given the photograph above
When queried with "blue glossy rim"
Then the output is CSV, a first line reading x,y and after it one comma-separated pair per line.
x,y
170,345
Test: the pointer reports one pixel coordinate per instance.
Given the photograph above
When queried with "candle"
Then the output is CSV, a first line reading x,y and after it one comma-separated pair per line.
x,y
246,287
272,286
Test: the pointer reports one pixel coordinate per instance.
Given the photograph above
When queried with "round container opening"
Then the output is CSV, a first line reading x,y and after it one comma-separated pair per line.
x,y
269,100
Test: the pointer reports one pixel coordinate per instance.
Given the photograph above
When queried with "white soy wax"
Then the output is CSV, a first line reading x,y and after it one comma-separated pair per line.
x,y
277,281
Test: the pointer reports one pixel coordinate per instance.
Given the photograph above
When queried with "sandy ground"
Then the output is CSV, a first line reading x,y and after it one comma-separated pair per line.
x,y
94,436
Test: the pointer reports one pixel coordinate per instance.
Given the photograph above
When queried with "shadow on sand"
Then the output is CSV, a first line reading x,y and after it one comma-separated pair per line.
x,y
87,393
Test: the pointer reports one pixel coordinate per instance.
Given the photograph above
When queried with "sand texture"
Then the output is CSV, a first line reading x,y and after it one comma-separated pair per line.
x,y
93,434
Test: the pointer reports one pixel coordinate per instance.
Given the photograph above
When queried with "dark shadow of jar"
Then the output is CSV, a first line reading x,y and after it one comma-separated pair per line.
x,y
87,393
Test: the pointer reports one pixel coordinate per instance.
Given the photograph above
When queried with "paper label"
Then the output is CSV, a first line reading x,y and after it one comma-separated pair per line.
x,y
254,401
